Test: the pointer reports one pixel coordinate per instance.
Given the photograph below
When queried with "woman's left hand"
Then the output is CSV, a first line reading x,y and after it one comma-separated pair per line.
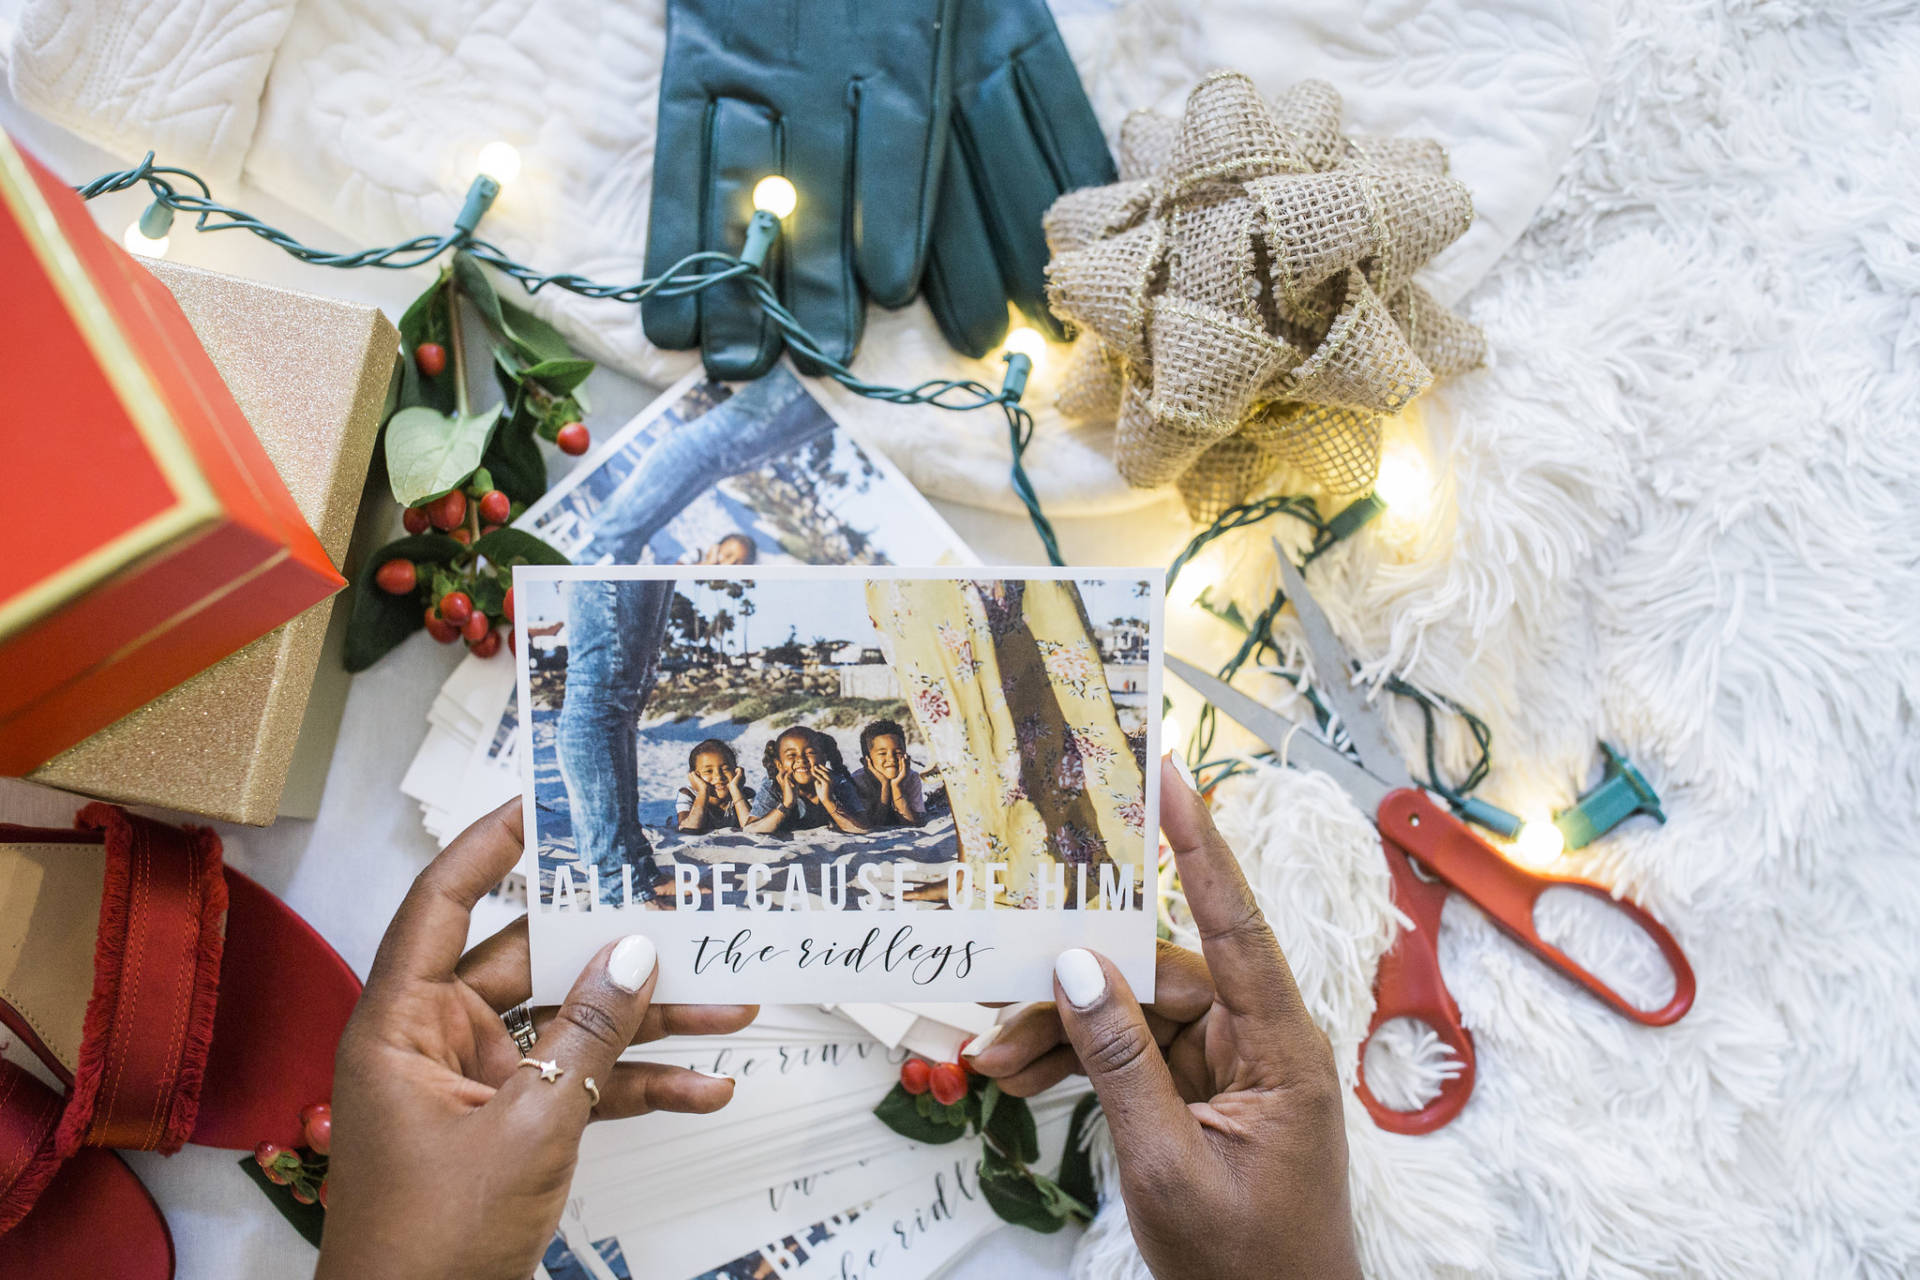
x,y
448,1157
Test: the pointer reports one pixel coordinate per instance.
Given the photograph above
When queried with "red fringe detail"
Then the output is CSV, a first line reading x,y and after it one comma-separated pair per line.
x,y
21,1089
205,844
202,846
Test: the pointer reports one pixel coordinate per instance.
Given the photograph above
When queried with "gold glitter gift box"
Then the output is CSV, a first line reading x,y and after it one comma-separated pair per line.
x,y
311,376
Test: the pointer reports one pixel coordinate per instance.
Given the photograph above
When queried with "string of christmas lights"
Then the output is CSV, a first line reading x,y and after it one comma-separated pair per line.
x,y
173,190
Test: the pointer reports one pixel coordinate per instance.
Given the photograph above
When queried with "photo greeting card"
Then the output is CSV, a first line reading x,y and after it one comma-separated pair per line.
x,y
709,473
863,783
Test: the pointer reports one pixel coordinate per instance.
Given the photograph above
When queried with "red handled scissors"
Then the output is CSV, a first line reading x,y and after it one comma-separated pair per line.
x,y
1430,853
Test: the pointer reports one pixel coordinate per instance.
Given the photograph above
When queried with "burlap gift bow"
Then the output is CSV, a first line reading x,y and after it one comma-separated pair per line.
x,y
1245,291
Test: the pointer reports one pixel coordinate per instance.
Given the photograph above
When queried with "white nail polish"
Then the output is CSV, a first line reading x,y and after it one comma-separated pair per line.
x,y
980,1042
631,962
713,1075
1081,977
1180,767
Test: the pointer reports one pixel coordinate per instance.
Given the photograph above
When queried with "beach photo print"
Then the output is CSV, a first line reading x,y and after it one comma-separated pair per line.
x,y
811,784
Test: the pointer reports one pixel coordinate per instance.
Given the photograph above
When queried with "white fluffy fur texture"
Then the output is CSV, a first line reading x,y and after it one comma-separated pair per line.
x,y
1681,516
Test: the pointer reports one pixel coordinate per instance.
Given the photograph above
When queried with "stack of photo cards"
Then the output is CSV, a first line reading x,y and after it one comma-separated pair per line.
x,y
709,473
796,1177
747,751
912,785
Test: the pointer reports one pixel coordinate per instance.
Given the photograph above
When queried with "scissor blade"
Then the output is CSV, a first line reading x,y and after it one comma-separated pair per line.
x,y
1302,749
1333,675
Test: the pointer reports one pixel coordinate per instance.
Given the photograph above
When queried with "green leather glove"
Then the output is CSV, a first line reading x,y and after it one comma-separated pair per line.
x,y
849,101
1023,134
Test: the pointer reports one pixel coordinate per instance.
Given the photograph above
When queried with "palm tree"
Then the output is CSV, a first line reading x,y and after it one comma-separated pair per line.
x,y
747,610
717,629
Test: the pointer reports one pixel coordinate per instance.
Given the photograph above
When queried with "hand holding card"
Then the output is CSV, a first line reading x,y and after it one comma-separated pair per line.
x,y
1000,811
429,1086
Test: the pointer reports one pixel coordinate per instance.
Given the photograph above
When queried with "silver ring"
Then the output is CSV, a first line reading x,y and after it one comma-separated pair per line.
x,y
519,1020
593,1091
549,1070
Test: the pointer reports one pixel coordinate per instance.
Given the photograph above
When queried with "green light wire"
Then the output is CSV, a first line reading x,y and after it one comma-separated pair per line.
x,y
1257,639
183,191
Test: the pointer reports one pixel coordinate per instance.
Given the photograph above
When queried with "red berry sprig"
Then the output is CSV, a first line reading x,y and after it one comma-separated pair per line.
x,y
948,1082
451,593
302,1171
543,400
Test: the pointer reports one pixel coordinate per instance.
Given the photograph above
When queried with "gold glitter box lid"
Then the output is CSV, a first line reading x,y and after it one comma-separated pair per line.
x,y
311,375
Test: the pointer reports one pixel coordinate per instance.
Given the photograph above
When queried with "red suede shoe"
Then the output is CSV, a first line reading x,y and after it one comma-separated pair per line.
x,y
177,1000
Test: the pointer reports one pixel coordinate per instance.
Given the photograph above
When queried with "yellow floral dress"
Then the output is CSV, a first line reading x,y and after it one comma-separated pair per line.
x,y
1007,687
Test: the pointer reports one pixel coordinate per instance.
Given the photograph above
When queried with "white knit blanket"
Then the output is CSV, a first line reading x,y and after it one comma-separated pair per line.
x,y
1679,512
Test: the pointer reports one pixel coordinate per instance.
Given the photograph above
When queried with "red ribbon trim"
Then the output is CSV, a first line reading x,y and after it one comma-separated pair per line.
x,y
149,1023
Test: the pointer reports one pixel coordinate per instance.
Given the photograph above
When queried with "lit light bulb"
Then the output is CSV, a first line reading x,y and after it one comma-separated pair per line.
x,y
1539,842
1404,483
140,244
1027,342
500,160
775,195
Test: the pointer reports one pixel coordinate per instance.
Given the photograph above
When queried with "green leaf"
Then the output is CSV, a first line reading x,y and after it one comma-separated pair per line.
x,y
1013,1194
1012,1129
900,1112
957,1113
478,289
531,337
429,454
513,456
535,338
1076,1161
989,1099
558,376
427,319
1060,1203
504,547
923,1103
307,1219
488,596
380,621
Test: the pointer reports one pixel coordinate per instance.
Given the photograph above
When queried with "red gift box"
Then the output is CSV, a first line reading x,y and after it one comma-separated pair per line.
x,y
147,535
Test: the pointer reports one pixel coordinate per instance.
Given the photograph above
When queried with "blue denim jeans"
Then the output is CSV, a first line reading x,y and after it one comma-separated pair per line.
x,y
614,634
615,629
760,420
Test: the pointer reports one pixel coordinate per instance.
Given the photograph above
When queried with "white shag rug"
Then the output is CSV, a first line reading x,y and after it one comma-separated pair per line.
x,y
1681,512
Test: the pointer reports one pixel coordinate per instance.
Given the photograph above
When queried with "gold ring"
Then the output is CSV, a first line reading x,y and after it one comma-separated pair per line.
x,y
593,1091
549,1070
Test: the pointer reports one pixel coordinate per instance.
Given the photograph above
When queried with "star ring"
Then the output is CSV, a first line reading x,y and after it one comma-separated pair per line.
x,y
549,1070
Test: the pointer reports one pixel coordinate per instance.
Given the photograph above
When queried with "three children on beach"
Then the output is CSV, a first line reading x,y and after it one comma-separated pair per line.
x,y
808,785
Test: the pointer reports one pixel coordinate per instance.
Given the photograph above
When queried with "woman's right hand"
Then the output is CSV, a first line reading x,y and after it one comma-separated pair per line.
x,y
1222,1098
